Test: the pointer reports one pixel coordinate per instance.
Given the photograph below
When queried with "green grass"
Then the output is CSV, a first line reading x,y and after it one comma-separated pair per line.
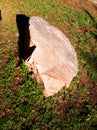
x,y
22,103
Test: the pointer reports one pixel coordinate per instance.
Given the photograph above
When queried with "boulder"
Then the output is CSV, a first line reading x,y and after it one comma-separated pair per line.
x,y
54,60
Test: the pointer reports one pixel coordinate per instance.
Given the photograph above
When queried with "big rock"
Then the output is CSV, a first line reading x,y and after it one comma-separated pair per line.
x,y
54,60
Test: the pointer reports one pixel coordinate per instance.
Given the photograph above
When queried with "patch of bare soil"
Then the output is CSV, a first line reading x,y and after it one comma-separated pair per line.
x,y
6,112
5,61
85,79
92,93
94,1
16,82
81,5
72,3
64,107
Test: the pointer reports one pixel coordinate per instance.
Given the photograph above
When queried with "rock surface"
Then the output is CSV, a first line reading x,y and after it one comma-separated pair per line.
x,y
54,61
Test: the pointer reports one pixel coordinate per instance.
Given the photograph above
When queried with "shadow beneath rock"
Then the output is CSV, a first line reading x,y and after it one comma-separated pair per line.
x,y
24,36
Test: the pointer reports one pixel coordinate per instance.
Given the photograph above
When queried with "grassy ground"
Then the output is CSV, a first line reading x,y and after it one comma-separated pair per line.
x,y
22,106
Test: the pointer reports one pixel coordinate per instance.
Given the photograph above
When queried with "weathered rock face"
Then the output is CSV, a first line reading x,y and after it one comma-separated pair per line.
x,y
54,61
